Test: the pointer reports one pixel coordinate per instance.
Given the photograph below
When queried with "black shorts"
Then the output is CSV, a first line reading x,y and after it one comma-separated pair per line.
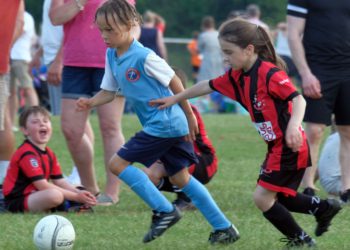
x,y
335,100
286,182
17,205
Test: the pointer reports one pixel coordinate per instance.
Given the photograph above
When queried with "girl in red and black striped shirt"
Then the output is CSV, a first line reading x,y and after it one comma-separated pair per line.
x,y
27,186
257,81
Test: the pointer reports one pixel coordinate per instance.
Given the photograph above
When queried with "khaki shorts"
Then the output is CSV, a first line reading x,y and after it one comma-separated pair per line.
x,y
20,74
4,93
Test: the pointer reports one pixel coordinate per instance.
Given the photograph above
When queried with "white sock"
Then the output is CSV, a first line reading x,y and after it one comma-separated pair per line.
x,y
3,169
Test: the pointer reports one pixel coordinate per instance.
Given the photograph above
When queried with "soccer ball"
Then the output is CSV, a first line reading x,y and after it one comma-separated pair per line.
x,y
54,232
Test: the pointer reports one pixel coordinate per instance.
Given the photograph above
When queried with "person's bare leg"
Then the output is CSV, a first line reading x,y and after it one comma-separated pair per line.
x,y
73,125
44,200
31,96
90,132
7,140
110,116
155,172
74,177
314,133
344,156
13,105
7,143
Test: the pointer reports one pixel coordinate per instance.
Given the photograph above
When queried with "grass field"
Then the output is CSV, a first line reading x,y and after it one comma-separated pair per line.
x,y
240,151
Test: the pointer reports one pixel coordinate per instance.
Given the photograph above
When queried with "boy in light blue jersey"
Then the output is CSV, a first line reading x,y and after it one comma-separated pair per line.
x,y
140,76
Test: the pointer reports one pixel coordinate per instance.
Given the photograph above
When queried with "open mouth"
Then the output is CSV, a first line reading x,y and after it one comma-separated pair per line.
x,y
43,132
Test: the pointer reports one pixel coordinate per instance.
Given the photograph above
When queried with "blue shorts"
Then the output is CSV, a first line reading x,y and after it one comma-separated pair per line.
x,y
175,153
81,82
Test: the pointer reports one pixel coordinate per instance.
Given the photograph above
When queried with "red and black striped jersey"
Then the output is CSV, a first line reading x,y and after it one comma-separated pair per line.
x,y
203,147
29,164
266,93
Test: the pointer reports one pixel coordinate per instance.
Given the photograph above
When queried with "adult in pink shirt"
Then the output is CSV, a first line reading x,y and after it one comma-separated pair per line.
x,y
12,15
83,70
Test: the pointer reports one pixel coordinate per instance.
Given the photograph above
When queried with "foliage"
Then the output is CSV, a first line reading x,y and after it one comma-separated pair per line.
x,y
35,8
184,16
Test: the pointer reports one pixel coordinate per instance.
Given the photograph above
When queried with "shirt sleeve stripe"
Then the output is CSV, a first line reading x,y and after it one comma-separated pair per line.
x,y
291,96
36,178
294,10
212,85
55,177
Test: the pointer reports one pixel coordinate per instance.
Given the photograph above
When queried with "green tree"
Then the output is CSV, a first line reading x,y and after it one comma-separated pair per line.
x,y
35,8
184,16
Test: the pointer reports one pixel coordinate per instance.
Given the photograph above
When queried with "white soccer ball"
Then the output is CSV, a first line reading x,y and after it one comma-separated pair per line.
x,y
54,232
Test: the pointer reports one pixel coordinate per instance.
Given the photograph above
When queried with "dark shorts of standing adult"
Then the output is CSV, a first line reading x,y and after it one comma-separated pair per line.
x,y
335,99
286,181
175,153
81,81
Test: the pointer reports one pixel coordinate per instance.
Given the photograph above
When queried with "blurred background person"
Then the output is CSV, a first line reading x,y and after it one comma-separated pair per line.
x,y
236,13
50,54
208,45
21,82
196,57
253,15
280,36
151,37
329,166
12,21
84,53
212,64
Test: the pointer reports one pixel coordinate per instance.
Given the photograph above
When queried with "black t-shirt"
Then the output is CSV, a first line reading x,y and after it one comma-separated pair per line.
x,y
327,32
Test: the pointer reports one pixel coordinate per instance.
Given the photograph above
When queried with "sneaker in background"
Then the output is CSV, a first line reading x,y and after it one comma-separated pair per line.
x,y
104,200
324,219
224,236
160,223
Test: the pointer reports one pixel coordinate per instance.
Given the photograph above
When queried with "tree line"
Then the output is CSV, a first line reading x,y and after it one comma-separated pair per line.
x,y
184,16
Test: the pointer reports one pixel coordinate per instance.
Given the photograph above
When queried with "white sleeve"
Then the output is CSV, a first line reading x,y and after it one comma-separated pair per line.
x,y
109,83
157,68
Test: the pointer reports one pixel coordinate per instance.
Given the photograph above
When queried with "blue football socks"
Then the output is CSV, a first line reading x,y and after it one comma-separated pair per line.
x,y
202,199
139,182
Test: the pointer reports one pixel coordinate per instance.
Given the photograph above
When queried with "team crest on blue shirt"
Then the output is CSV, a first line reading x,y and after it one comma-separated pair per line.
x,y
34,163
132,75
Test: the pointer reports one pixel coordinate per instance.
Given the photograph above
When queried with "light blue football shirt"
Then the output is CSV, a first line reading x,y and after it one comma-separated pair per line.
x,y
140,75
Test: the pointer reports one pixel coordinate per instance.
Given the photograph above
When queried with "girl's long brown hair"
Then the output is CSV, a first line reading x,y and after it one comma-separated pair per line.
x,y
242,33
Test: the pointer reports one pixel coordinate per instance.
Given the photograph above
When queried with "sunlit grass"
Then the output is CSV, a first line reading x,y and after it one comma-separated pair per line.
x,y
240,152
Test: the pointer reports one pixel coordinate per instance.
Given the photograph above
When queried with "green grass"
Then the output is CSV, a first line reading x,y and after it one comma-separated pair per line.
x,y
240,152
